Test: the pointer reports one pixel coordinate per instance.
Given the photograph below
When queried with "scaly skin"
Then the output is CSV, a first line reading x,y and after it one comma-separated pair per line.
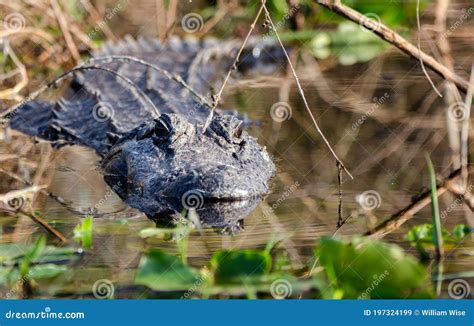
x,y
159,160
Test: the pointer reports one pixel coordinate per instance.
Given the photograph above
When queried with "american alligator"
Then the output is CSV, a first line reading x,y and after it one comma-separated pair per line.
x,y
162,162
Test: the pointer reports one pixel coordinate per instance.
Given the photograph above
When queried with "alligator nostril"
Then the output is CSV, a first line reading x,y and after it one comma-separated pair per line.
x,y
238,131
161,130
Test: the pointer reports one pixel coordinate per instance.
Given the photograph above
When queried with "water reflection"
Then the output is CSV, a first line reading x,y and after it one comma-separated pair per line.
x,y
226,215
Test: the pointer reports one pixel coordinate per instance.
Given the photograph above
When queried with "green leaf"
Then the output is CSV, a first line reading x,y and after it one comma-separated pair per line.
x,y
421,237
161,271
350,43
17,260
83,232
54,254
460,231
239,265
165,234
32,253
11,254
4,272
420,233
278,8
47,271
423,233
9,251
37,272
365,268
36,250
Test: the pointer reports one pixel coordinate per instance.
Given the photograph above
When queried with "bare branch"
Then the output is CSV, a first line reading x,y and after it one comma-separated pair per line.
x,y
300,90
395,39
166,73
63,24
419,48
217,97
397,219
73,71
465,131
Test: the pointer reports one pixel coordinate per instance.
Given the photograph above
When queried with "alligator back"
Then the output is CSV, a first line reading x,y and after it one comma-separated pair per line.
x,y
98,107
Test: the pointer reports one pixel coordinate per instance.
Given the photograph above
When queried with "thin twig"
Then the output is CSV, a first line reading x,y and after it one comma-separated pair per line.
x,y
171,16
462,193
86,40
73,71
38,219
419,48
239,53
166,73
161,19
116,74
339,184
95,15
217,97
316,261
395,39
11,92
27,183
465,131
452,93
21,196
28,31
223,9
442,40
65,29
300,90
397,219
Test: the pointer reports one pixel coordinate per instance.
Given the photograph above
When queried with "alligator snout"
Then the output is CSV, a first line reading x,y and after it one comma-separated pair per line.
x,y
169,158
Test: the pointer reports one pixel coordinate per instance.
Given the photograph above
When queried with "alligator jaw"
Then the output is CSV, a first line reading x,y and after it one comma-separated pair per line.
x,y
227,215
168,169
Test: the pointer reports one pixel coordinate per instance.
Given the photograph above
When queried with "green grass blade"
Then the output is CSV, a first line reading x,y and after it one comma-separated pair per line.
x,y
437,233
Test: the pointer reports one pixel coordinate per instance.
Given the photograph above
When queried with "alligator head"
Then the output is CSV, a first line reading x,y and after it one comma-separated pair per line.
x,y
169,164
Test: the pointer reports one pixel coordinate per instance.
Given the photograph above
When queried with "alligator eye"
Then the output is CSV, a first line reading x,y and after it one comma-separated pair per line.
x,y
238,131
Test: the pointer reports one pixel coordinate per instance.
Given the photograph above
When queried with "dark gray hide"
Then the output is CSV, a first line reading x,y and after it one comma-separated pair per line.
x,y
162,164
